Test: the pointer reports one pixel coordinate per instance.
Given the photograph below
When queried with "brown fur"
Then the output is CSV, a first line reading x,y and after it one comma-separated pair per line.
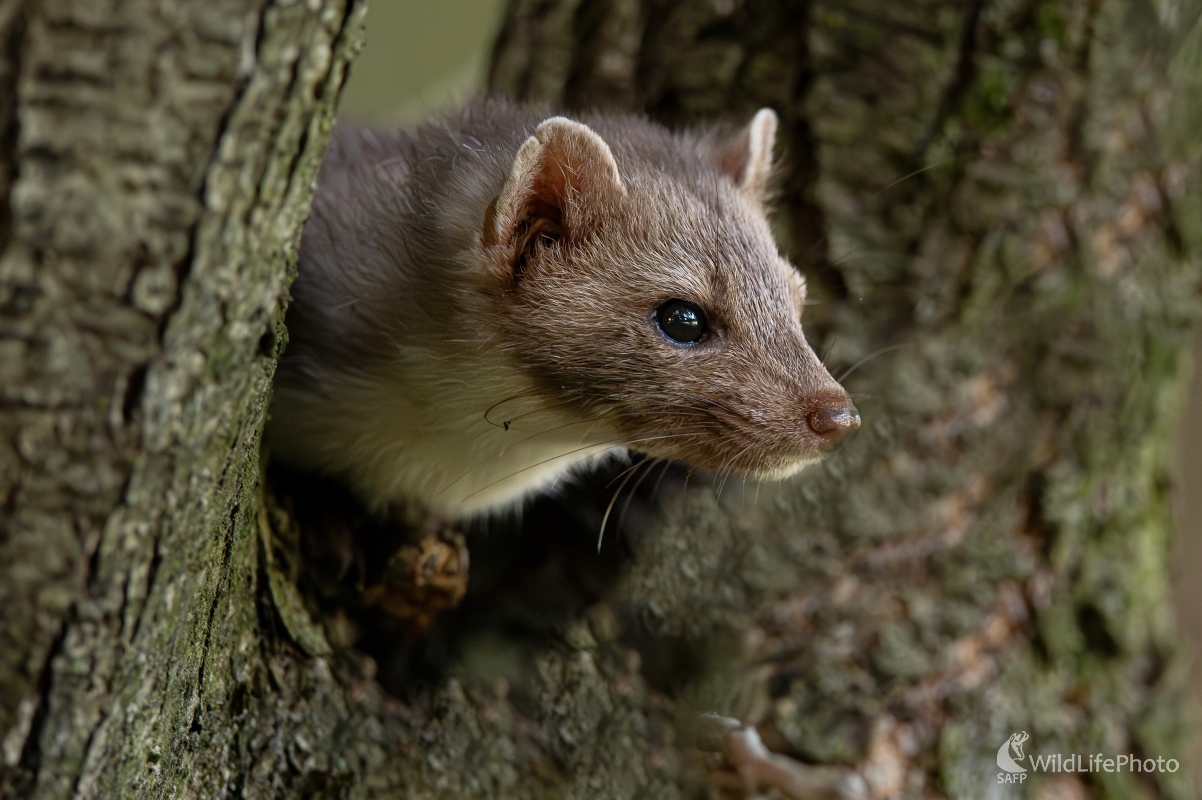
x,y
504,277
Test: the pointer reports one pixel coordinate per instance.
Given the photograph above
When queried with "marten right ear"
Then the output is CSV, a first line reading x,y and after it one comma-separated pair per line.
x,y
747,159
555,173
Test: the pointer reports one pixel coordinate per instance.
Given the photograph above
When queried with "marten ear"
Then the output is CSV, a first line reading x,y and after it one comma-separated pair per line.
x,y
561,165
747,159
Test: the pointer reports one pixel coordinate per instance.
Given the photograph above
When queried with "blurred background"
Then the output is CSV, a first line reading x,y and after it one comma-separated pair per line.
x,y
423,55
1187,513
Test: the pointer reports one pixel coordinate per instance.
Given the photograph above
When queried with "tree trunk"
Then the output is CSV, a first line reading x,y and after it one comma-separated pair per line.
x,y
1005,191
158,160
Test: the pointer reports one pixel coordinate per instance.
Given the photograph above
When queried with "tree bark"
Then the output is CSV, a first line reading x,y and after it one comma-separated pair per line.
x,y
159,160
1007,193
1006,190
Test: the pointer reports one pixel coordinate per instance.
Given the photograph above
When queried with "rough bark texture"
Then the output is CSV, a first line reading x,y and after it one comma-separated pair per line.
x,y
1007,190
162,163
987,556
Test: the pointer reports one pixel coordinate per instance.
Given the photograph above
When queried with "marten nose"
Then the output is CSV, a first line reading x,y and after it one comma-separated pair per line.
x,y
833,421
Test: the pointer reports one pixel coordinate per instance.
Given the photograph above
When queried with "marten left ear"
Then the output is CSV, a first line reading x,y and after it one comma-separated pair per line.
x,y
563,167
747,159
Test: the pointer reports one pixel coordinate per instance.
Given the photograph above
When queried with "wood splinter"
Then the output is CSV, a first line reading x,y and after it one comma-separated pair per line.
x,y
759,767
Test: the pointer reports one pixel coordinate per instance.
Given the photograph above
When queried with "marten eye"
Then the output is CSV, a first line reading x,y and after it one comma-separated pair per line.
x,y
681,321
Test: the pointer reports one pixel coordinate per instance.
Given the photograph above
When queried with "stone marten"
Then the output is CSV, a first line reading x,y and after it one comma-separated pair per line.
x,y
505,296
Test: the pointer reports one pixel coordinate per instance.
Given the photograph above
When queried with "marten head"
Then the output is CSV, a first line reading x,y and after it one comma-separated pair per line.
x,y
636,276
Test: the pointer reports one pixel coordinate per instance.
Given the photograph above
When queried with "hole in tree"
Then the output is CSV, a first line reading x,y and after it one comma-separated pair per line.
x,y
1097,637
530,577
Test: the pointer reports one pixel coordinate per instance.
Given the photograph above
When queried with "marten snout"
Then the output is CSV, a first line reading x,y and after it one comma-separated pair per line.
x,y
833,420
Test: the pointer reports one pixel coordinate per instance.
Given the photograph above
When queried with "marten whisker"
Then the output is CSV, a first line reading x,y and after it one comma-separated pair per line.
x,y
829,349
729,466
698,413
660,479
720,475
917,172
869,357
588,431
610,445
714,403
842,259
633,466
531,437
608,509
651,462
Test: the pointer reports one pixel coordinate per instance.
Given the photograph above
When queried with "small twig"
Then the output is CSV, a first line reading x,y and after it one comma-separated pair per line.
x,y
760,767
